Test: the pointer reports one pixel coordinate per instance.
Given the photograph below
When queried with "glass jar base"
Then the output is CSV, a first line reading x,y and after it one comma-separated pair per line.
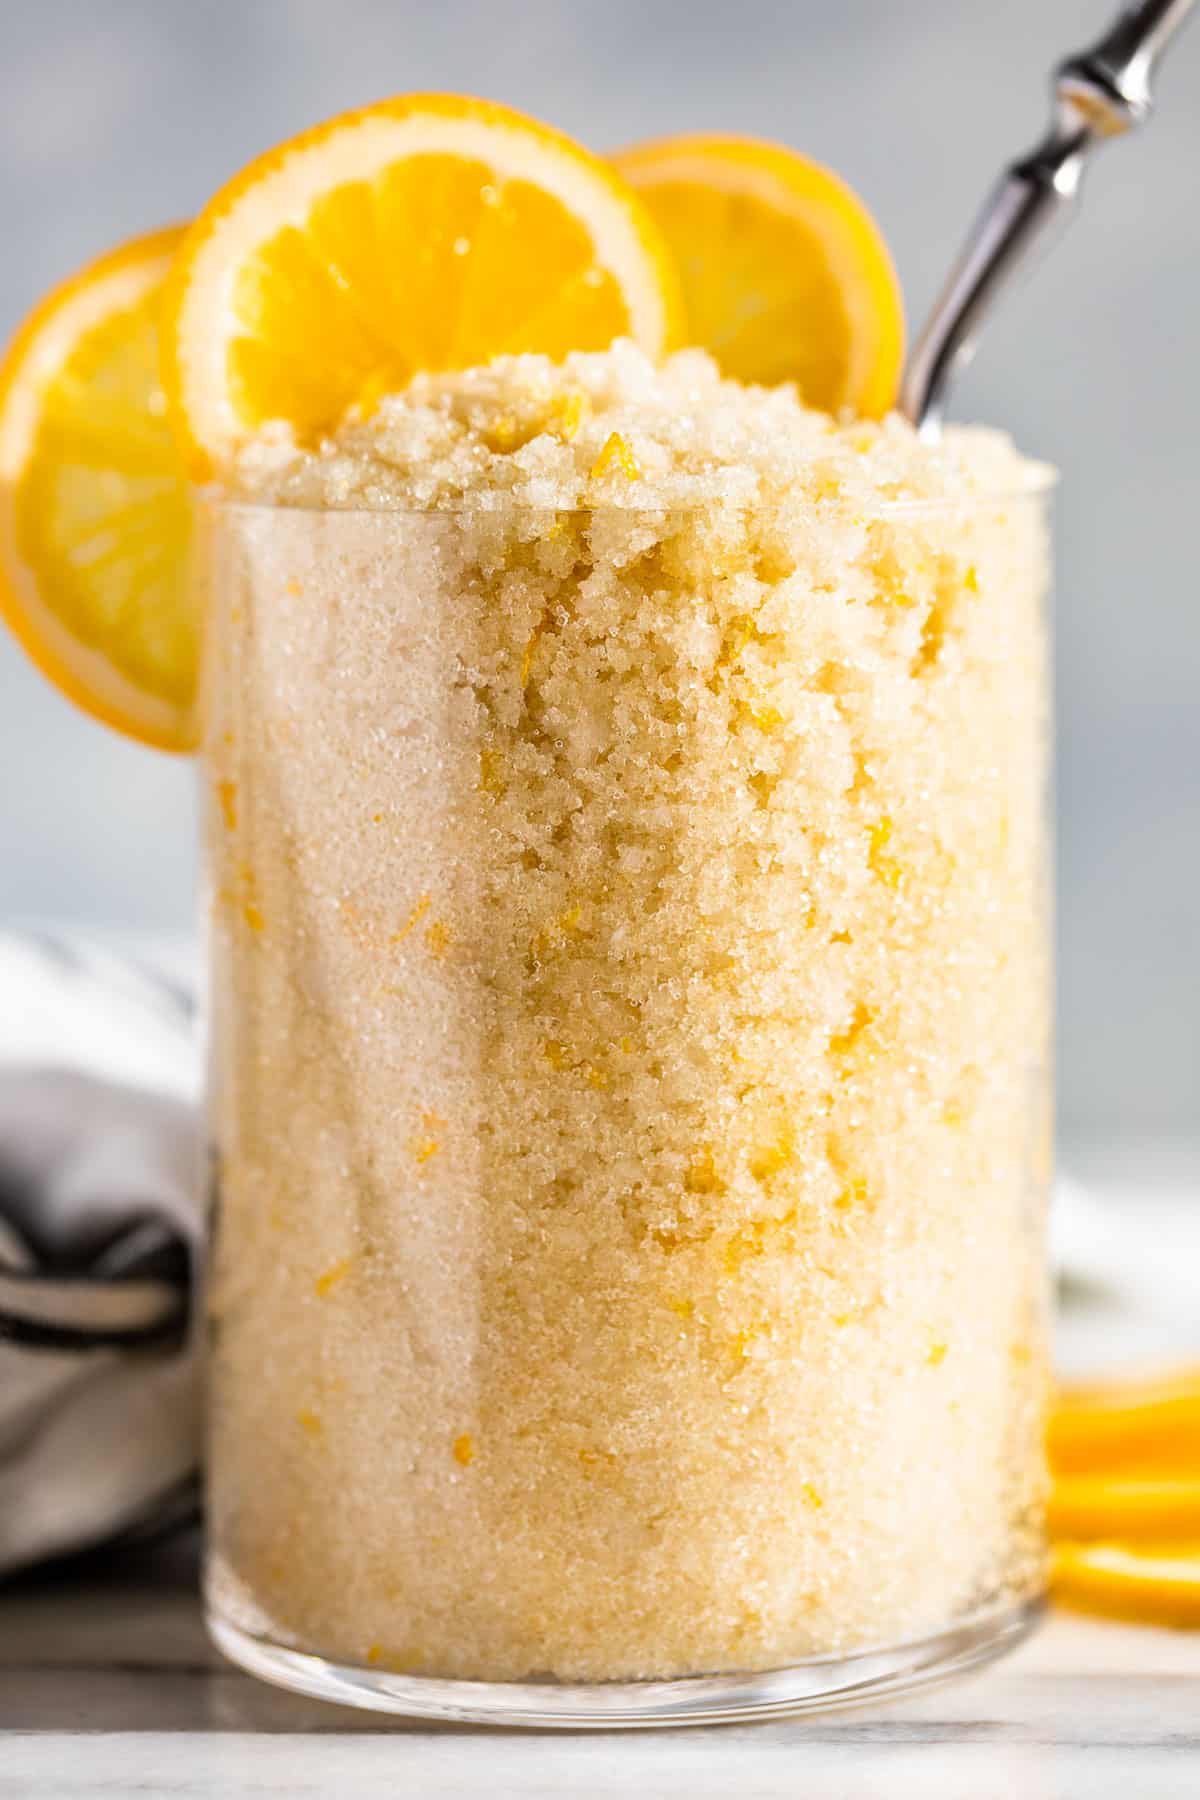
x,y
815,1684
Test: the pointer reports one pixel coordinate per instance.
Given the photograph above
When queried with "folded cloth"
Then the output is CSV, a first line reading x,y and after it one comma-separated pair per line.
x,y
99,1226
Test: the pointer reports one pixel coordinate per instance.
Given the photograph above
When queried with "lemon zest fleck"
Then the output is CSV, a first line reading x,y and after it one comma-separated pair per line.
x,y
853,1193
737,635
396,1662
437,937
569,413
884,867
616,454
771,1157
843,1041
702,1176
491,778
505,433
741,1341
428,1145
325,1284
530,652
227,795
414,918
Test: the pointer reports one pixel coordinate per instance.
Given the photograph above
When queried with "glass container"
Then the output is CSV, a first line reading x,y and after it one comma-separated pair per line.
x,y
629,1102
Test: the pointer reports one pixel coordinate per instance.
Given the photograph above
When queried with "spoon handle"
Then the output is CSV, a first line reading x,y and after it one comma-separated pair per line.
x,y
1098,94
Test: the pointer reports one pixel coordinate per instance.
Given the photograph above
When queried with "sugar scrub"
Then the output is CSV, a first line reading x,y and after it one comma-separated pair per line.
x,y
629,1028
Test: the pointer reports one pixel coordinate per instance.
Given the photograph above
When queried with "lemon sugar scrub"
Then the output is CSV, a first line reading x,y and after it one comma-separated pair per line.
x,y
623,748
625,799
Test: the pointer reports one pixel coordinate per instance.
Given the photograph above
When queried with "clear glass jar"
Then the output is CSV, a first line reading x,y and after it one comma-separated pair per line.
x,y
629,1103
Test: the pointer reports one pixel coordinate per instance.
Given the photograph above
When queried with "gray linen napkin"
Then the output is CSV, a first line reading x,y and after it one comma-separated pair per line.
x,y
99,1225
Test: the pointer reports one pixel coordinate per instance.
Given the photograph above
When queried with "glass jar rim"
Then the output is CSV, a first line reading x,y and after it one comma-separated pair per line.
x,y
1041,484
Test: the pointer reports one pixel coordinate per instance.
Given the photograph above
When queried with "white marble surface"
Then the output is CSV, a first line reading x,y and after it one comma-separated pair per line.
x,y
108,1688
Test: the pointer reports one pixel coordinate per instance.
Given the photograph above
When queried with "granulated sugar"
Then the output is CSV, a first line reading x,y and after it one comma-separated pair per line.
x,y
629,1028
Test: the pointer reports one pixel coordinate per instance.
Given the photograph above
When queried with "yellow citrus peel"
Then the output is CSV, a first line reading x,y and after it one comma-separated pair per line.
x,y
428,232
1153,1587
1119,1507
1147,1423
1125,1504
785,274
94,513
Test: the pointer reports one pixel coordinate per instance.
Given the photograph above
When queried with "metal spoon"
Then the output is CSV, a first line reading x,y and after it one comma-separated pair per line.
x,y
1099,94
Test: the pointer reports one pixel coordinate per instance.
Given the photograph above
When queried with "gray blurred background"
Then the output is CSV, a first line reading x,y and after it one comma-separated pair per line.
x,y
116,115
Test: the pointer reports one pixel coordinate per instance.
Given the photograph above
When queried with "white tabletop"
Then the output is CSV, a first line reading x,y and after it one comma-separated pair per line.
x,y
107,1687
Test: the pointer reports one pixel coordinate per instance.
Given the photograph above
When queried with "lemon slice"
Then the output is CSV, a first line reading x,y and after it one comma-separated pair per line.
x,y
427,232
93,507
1155,1586
1125,1508
785,275
1150,1424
